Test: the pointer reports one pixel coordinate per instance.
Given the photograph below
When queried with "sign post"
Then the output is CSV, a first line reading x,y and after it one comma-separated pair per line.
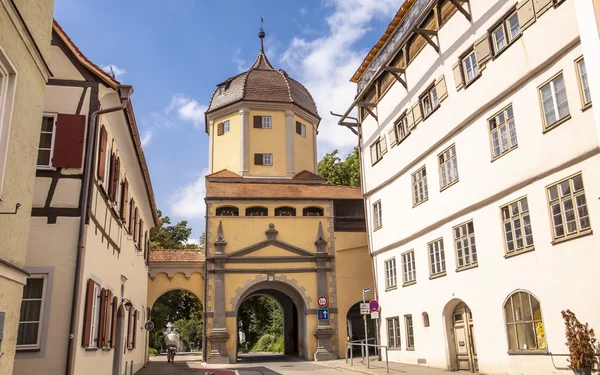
x,y
365,291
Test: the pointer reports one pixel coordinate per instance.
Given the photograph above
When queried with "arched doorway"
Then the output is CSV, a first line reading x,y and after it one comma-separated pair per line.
x,y
119,344
355,329
292,313
462,347
180,310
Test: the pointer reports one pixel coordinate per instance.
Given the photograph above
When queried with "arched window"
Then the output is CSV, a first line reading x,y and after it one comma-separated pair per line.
x,y
228,211
285,211
425,319
257,211
312,211
524,324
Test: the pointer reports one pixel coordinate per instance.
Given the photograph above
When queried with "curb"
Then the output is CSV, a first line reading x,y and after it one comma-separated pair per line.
x,y
350,368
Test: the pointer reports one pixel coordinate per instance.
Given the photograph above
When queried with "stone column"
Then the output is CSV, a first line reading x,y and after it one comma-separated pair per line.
x,y
211,133
315,132
324,332
219,335
289,143
244,145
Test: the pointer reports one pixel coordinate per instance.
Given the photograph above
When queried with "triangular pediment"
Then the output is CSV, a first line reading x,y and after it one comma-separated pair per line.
x,y
266,248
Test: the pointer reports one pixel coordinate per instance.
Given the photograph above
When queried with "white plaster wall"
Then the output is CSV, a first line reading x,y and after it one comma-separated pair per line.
x,y
66,194
553,273
40,191
61,67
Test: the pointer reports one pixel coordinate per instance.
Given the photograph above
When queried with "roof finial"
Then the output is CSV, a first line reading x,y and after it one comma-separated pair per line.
x,y
261,35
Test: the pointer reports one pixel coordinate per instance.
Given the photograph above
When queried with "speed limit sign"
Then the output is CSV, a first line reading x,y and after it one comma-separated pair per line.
x,y
322,301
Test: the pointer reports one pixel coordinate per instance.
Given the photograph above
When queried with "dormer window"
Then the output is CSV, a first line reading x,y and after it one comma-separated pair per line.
x,y
222,89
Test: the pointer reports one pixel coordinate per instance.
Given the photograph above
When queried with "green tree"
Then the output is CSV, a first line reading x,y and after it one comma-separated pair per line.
x,y
173,307
261,319
336,171
166,236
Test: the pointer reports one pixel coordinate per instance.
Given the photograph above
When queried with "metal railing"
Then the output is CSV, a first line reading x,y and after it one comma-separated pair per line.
x,y
365,346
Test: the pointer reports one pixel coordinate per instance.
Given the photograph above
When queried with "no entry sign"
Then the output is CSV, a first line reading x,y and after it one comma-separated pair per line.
x,y
322,301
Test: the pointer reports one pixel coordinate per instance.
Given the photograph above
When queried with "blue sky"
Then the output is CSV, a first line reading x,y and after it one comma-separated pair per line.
x,y
175,54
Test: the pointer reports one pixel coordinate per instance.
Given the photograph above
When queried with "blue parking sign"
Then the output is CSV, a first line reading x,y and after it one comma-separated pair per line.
x,y
323,314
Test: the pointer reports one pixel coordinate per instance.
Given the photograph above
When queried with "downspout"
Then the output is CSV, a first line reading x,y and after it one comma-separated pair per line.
x,y
125,92
204,335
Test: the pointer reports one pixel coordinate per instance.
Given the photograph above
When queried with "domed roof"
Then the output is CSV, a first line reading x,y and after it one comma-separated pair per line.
x,y
263,83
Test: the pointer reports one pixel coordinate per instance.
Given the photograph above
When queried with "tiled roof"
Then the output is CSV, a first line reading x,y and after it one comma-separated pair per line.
x,y
280,191
263,83
169,256
224,173
306,175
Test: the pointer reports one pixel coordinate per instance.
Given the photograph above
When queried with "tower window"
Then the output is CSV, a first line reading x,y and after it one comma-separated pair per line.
x,y
262,122
222,90
285,211
228,211
257,211
263,159
223,127
301,129
312,211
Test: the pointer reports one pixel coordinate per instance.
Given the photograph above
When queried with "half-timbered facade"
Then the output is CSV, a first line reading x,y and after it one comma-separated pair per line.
x,y
93,207
479,159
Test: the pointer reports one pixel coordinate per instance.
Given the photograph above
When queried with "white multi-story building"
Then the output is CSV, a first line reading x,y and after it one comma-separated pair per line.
x,y
480,173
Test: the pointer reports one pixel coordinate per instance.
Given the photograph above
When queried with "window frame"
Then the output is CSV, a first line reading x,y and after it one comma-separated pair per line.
x,y
409,268
504,24
377,215
402,123
95,319
55,117
269,158
514,323
266,122
226,126
558,121
467,55
8,88
396,332
302,130
388,271
584,105
522,213
40,321
378,151
462,237
511,147
578,233
415,186
442,258
429,95
409,332
455,180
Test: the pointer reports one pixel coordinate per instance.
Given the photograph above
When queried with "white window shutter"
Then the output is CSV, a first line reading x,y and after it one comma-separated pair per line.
x,y
393,137
483,52
525,14
458,78
383,145
541,6
373,153
417,114
441,89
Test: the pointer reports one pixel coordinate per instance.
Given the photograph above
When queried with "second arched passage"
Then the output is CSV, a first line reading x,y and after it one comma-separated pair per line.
x,y
355,328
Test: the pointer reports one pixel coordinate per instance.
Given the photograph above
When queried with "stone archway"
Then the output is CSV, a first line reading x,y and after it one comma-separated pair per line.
x,y
293,301
459,330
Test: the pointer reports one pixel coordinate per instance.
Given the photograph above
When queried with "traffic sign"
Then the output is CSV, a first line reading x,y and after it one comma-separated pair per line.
x,y
323,314
374,314
374,305
322,301
366,290
364,308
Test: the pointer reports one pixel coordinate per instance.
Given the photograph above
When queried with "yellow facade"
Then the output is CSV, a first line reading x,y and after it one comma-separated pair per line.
x,y
268,141
304,147
23,74
227,146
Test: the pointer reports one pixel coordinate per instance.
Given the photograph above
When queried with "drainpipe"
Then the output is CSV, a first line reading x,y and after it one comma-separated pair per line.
x,y
204,335
125,92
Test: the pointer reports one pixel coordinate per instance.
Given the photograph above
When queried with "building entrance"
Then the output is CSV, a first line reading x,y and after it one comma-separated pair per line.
x,y
464,339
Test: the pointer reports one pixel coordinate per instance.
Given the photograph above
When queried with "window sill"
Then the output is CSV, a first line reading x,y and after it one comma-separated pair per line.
x,y
467,267
91,349
497,54
448,185
437,275
586,107
505,153
377,161
467,84
409,283
391,288
27,350
428,116
519,252
394,349
556,124
378,228
410,349
527,352
402,139
44,168
572,237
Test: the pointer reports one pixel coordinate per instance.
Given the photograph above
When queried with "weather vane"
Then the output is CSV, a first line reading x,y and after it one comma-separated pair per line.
x,y
261,35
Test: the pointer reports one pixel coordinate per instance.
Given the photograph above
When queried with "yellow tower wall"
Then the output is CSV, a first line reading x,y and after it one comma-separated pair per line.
x,y
304,148
267,141
226,148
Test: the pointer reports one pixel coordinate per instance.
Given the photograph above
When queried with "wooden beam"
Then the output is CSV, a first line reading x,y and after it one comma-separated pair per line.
x,y
366,104
425,33
392,69
461,9
421,31
394,72
351,124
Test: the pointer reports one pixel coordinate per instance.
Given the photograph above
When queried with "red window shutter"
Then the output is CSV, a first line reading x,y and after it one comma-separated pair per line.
x,y
101,319
102,153
131,209
108,314
258,159
140,233
129,323
87,318
123,203
68,141
146,247
135,319
298,128
116,176
257,122
113,328
135,224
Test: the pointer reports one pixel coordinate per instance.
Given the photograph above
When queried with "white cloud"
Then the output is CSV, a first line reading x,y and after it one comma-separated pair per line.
x,y
146,138
193,241
187,109
303,10
188,202
241,64
326,64
118,72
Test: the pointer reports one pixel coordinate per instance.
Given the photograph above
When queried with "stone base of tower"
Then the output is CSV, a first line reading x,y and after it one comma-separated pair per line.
x,y
218,353
324,351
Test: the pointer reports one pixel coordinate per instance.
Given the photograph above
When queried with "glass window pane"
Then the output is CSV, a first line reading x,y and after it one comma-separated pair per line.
x,y
553,193
27,334
577,183
47,124
34,288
